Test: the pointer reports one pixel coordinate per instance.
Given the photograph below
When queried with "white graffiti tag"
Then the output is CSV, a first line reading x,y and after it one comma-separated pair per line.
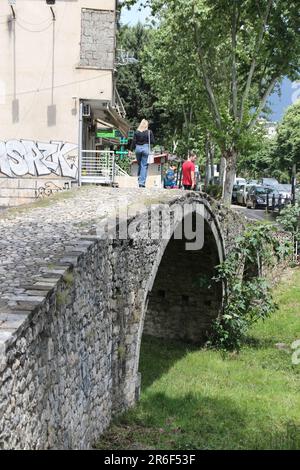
x,y
22,157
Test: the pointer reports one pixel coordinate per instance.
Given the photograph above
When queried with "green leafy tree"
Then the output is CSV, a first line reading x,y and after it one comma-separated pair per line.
x,y
170,76
261,159
137,95
239,51
278,156
288,139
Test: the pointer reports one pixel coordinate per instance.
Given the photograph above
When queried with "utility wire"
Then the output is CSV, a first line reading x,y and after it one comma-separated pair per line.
x,y
57,86
34,24
34,30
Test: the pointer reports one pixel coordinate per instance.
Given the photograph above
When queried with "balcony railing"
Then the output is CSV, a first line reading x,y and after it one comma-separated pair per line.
x,y
119,106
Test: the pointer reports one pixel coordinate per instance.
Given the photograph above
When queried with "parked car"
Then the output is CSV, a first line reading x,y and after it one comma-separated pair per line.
x,y
272,182
252,182
235,190
285,191
297,190
242,194
239,181
260,196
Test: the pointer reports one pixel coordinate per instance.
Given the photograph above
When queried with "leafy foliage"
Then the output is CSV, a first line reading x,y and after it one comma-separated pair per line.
x,y
221,60
140,101
288,140
289,218
248,296
214,191
275,157
262,160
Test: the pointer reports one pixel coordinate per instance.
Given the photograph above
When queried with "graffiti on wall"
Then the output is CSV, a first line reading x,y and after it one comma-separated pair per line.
x,y
27,157
50,188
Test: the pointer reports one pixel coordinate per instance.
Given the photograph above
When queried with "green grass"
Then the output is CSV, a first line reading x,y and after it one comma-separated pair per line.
x,y
199,399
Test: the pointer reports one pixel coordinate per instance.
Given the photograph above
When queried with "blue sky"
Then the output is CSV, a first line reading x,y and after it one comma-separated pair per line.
x,y
277,103
133,16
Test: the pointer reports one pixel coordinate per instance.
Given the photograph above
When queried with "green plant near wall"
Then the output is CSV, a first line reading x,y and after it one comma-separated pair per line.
x,y
289,219
248,295
214,190
125,164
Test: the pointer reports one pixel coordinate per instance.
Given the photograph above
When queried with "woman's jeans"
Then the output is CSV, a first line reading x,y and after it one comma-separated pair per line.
x,y
142,152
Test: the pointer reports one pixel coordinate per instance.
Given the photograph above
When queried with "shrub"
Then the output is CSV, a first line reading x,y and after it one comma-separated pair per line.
x,y
214,191
248,296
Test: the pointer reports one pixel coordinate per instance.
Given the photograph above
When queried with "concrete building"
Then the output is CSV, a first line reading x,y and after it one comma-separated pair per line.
x,y
270,128
57,86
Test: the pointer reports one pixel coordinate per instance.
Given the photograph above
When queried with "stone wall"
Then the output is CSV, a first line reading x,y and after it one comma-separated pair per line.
x,y
97,45
67,355
184,299
70,340
17,191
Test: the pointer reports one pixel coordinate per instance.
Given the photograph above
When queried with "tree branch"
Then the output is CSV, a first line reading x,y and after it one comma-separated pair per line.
x,y
264,72
235,17
207,83
253,64
262,104
258,8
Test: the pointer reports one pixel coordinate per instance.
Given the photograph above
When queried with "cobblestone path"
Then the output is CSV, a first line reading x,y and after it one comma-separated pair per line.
x,y
34,239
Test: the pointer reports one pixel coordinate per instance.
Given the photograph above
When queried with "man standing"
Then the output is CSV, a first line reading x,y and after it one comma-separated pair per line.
x,y
188,172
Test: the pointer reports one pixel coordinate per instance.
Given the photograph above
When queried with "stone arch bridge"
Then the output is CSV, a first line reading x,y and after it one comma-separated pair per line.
x,y
75,303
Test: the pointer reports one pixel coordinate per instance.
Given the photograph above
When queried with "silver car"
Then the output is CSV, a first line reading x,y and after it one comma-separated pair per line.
x,y
241,194
285,191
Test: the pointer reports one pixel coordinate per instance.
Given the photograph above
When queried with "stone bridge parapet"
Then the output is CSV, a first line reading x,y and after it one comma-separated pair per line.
x,y
74,306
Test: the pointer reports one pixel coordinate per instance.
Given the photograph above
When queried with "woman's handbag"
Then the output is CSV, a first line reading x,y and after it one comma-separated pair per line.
x,y
150,156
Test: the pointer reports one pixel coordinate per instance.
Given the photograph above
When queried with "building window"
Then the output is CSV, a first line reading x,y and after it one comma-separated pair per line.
x,y
97,44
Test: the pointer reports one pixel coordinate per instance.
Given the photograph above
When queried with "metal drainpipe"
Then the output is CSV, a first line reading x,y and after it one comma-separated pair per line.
x,y
80,143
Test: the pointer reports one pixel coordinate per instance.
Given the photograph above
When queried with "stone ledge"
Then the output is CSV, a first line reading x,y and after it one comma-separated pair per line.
x,y
12,320
23,306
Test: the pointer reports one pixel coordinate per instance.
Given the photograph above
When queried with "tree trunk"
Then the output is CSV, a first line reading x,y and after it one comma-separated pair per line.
x,y
212,168
231,158
222,171
207,163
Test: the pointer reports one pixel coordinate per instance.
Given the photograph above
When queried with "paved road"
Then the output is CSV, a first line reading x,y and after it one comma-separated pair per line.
x,y
254,214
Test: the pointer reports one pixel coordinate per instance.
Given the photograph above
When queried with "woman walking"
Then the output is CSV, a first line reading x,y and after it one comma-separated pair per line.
x,y
142,140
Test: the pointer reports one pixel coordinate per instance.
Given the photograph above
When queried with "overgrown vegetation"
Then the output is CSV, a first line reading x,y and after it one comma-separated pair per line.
x,y
248,296
214,190
289,219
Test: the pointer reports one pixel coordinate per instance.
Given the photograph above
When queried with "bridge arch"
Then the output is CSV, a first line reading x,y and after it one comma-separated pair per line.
x,y
180,301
